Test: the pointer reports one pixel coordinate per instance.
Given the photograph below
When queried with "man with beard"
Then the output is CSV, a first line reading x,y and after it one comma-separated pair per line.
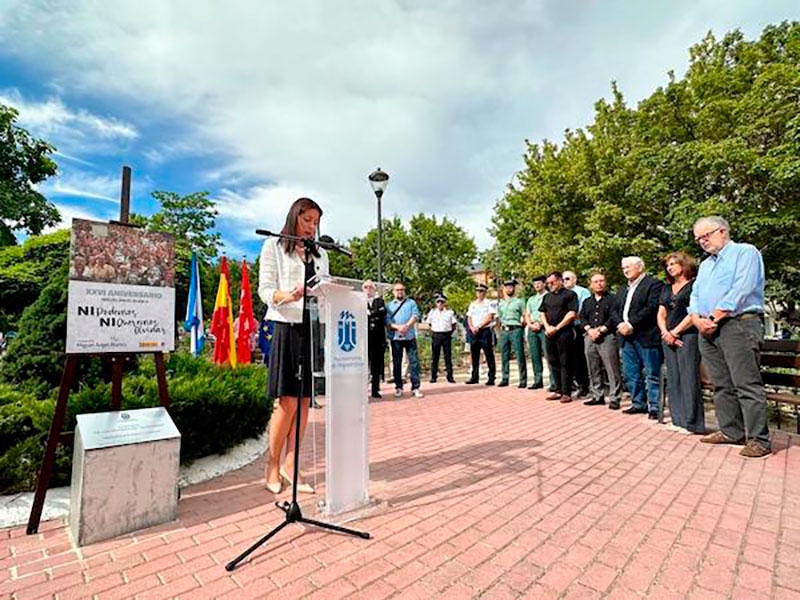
x,y
402,315
558,311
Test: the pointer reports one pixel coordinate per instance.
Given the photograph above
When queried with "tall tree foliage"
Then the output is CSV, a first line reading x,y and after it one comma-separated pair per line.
x,y
427,255
24,162
191,220
723,139
26,269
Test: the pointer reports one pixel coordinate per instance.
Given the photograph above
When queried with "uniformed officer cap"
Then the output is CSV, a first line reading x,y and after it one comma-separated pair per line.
x,y
510,281
440,298
481,287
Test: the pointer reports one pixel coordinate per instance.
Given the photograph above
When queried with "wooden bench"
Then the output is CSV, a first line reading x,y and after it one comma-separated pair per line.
x,y
777,357
782,387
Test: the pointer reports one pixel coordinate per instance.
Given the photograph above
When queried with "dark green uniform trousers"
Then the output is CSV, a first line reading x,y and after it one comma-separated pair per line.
x,y
512,339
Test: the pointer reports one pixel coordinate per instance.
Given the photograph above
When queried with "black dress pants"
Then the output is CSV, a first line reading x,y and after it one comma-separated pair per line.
x,y
482,341
559,351
441,342
580,369
375,353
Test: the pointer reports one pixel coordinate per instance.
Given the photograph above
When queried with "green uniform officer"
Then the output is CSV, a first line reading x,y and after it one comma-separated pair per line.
x,y
535,329
510,312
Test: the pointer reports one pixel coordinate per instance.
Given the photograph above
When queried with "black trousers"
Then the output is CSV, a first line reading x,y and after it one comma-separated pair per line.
x,y
559,351
482,341
442,342
580,369
375,353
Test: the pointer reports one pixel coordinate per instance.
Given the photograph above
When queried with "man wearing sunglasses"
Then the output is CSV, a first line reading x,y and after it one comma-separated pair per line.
x,y
727,307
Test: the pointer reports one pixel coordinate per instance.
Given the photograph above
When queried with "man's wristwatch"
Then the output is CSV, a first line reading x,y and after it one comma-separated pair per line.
x,y
712,318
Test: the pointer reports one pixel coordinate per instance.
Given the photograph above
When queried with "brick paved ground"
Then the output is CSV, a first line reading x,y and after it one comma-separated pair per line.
x,y
492,493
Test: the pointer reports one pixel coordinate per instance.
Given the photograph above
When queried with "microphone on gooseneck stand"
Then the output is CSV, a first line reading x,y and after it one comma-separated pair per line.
x,y
327,242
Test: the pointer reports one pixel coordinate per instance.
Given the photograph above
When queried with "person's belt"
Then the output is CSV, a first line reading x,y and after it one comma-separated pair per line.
x,y
510,327
746,316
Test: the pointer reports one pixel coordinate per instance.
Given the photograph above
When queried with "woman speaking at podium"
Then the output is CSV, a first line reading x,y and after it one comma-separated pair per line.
x,y
282,270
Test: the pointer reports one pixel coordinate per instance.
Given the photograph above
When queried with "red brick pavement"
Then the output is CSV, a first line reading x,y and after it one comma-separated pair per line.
x,y
489,492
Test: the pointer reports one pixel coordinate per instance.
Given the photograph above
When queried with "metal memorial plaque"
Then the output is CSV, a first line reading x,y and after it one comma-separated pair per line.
x,y
119,428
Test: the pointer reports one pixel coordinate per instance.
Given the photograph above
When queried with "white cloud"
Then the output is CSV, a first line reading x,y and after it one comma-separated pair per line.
x,y
79,184
315,95
71,212
76,131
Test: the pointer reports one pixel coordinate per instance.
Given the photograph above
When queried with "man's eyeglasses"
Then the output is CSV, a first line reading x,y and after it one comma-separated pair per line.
x,y
705,236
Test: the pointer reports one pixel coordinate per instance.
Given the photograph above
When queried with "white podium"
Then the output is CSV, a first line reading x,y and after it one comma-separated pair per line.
x,y
343,314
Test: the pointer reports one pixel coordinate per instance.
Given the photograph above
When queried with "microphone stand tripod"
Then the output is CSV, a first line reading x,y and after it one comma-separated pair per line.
x,y
291,510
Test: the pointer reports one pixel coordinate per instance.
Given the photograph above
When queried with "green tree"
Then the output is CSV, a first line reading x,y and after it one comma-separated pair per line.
x,y
427,256
26,269
24,162
723,139
35,358
191,220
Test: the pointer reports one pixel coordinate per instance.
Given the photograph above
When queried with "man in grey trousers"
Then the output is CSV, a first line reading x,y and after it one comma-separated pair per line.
x,y
599,317
727,307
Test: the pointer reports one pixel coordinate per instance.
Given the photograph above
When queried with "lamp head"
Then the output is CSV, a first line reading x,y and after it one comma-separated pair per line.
x,y
378,180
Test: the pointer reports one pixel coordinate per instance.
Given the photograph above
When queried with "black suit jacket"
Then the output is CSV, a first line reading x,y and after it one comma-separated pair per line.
x,y
643,311
376,322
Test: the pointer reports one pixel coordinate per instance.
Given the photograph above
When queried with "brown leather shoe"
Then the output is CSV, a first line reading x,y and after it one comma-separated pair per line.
x,y
565,399
553,396
754,450
719,438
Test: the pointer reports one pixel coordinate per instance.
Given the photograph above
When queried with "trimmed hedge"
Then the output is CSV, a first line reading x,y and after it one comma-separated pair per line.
x,y
213,408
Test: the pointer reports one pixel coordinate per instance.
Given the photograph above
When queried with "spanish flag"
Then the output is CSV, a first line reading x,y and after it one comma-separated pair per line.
x,y
222,322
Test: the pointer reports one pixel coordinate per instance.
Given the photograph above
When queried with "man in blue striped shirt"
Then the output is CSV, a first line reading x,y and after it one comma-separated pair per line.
x,y
727,307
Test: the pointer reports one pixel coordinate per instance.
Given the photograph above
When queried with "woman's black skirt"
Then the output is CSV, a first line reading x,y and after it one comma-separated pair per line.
x,y
284,359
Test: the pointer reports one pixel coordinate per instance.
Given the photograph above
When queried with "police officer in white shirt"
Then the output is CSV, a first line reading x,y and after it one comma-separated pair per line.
x,y
442,321
481,316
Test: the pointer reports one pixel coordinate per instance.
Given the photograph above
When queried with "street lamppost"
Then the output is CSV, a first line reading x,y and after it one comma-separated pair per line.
x,y
379,180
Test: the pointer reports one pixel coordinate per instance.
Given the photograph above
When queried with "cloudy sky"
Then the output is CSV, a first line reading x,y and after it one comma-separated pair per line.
x,y
260,101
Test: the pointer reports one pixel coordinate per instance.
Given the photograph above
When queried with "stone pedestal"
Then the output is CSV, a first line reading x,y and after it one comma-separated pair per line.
x,y
124,473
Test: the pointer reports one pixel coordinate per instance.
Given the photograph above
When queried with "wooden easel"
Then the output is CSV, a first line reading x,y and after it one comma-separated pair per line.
x,y
56,435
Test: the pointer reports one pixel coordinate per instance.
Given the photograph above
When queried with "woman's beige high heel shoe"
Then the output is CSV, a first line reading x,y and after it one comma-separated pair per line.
x,y
302,486
275,488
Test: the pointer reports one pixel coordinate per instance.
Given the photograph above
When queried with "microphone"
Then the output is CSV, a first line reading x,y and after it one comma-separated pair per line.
x,y
327,242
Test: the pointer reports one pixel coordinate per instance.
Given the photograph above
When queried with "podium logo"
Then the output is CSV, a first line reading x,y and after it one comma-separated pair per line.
x,y
346,331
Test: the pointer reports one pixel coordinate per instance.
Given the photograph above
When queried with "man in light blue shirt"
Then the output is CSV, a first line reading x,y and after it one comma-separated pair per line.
x,y
402,315
727,307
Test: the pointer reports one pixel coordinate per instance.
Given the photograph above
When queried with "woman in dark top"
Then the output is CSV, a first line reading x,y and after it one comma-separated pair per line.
x,y
679,337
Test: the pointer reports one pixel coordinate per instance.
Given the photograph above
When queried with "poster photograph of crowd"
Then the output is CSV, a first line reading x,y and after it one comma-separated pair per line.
x,y
110,253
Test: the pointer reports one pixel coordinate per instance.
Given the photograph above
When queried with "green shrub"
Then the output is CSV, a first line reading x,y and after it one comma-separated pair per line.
x,y
214,409
35,358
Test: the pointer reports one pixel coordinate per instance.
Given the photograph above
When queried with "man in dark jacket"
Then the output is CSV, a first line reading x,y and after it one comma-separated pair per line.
x,y
376,340
640,337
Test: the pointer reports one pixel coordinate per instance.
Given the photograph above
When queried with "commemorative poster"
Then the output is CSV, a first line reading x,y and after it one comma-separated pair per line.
x,y
121,290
